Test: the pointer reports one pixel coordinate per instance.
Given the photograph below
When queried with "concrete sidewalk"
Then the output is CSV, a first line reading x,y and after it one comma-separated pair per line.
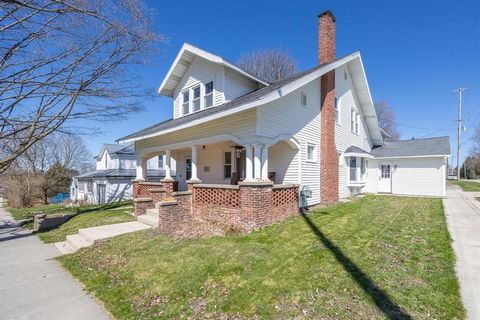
x,y
463,217
33,285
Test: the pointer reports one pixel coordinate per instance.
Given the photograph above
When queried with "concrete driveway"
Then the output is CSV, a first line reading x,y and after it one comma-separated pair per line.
x,y
33,285
463,218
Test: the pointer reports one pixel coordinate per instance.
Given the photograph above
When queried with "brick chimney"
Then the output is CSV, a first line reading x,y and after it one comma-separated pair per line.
x,y
328,149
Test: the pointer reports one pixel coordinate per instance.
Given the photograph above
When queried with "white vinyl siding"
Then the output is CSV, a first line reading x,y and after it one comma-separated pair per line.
x,y
285,117
237,85
344,137
410,176
199,73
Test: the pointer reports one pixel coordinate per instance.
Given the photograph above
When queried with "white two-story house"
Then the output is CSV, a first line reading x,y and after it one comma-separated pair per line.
x,y
317,129
111,181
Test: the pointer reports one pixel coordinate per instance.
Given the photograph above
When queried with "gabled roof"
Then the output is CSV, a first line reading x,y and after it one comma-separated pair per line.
x,y
182,62
111,148
438,146
272,92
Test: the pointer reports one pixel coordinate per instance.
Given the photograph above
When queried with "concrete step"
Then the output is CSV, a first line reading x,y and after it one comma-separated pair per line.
x,y
148,219
64,247
104,232
152,212
77,242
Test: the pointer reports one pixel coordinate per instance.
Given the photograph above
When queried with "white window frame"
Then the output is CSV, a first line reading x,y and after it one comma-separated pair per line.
x,y
187,92
314,152
337,111
303,100
360,162
199,99
354,121
204,98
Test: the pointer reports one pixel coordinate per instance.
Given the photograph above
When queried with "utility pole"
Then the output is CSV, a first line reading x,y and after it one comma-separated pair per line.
x,y
459,129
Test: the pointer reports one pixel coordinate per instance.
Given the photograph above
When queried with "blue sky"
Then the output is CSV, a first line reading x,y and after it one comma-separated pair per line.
x,y
415,52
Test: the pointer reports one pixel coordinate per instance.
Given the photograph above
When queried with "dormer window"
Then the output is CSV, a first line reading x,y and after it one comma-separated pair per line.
x,y
196,98
208,99
186,102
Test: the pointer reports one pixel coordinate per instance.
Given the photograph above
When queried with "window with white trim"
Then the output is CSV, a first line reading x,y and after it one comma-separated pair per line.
x,y
227,165
337,111
208,98
196,98
311,152
303,100
186,102
354,120
358,169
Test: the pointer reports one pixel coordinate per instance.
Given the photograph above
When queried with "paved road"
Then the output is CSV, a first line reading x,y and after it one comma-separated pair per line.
x,y
463,218
33,285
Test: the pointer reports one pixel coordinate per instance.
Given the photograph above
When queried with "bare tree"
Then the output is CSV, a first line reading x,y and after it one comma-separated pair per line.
x,y
270,65
387,119
46,168
64,60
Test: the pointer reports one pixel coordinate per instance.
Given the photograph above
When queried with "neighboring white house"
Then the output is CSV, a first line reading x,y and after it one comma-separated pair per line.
x,y
112,179
317,129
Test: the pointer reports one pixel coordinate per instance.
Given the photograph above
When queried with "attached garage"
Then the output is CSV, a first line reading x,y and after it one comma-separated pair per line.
x,y
410,167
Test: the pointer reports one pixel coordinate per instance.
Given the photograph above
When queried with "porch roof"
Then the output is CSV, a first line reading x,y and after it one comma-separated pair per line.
x,y
122,173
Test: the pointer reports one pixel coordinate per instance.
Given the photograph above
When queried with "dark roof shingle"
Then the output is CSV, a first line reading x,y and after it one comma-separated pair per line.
x,y
414,147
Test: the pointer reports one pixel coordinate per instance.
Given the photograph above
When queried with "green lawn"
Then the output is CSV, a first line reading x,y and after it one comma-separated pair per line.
x,y
27,213
377,257
85,220
467,185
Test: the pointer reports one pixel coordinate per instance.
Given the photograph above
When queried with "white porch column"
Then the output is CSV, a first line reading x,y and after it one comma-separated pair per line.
x,y
265,162
249,163
141,169
168,168
194,163
257,161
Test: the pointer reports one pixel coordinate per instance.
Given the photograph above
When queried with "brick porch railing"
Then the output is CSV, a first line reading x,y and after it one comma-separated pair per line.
x,y
146,194
246,206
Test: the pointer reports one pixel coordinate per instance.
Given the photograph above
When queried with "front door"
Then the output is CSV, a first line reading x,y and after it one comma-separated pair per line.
x,y
101,193
385,179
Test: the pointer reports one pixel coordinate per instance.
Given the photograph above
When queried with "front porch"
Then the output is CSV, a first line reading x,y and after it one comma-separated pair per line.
x,y
244,186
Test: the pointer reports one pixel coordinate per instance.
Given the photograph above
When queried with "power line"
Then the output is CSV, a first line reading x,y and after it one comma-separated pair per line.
x,y
420,128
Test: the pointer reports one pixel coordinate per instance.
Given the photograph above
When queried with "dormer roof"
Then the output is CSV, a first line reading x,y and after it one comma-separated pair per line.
x,y
116,148
183,60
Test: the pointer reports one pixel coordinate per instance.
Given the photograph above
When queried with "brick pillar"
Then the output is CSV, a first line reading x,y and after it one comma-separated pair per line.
x,y
255,204
170,186
328,149
135,188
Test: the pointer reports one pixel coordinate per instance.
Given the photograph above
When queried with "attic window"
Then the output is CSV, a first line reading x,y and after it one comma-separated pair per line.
x,y
208,99
303,99
185,103
345,75
196,98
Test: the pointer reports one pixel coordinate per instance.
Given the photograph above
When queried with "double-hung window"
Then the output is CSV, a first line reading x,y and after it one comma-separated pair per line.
x,y
354,120
186,102
358,169
227,165
196,98
353,169
208,98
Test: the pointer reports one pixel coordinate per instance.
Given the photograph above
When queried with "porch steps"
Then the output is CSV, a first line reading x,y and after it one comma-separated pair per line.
x,y
150,220
111,230
88,236
64,247
77,242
